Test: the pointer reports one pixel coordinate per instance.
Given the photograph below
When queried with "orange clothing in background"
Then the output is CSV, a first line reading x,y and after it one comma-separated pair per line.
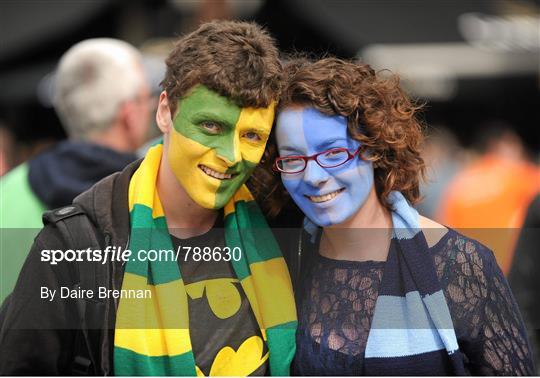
x,y
487,201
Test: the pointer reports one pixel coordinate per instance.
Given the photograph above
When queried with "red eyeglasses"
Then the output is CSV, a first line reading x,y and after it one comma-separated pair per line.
x,y
331,158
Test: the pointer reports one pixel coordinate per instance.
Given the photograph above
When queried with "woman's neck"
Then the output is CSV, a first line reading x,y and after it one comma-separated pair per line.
x,y
364,236
185,218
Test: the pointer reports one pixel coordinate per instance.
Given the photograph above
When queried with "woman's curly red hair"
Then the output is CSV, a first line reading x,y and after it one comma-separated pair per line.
x,y
380,116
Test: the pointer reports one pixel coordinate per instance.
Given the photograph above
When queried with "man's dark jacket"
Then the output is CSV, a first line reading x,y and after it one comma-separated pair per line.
x,y
43,337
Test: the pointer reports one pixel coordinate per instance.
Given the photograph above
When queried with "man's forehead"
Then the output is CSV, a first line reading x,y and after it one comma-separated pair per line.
x,y
201,96
201,99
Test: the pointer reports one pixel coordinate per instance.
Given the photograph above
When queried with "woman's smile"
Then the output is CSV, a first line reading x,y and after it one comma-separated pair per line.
x,y
325,197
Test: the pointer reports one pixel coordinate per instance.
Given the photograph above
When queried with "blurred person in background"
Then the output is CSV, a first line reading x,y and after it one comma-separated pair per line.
x,y
488,198
102,97
444,158
524,278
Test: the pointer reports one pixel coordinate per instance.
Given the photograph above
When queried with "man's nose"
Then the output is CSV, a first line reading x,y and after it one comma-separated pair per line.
x,y
228,149
315,175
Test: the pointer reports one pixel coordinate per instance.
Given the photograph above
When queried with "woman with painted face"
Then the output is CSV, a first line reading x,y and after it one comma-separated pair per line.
x,y
381,289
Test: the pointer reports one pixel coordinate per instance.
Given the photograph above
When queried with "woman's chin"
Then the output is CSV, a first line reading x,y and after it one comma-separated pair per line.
x,y
331,217
334,213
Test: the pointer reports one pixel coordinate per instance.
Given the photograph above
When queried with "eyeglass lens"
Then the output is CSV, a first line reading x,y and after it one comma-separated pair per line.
x,y
328,159
332,158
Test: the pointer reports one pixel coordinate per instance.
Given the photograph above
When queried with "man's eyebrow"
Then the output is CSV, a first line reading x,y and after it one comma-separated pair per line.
x,y
258,130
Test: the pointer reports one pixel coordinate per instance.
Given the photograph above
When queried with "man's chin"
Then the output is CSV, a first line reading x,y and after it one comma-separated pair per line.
x,y
215,200
213,204
222,201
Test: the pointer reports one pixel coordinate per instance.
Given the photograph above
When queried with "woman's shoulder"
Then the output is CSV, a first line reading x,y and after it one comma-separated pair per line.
x,y
432,230
452,248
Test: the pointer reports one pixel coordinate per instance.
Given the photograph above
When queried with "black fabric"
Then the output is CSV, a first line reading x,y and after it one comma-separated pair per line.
x,y
209,332
34,339
524,278
80,233
59,174
336,303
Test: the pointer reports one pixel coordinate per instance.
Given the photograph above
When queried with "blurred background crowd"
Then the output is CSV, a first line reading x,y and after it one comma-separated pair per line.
x,y
473,63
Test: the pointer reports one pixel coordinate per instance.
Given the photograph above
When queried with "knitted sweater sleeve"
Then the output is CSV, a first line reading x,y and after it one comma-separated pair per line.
x,y
487,321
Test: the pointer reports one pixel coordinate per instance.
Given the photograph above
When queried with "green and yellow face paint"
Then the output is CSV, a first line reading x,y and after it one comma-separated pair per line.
x,y
215,145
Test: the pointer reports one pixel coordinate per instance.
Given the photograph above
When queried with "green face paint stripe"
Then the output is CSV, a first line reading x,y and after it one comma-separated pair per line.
x,y
227,188
203,104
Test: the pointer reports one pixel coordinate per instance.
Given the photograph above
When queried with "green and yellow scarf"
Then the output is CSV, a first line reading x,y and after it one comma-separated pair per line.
x,y
152,334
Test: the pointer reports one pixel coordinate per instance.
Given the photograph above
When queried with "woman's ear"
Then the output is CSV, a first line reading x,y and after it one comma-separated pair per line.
x,y
163,114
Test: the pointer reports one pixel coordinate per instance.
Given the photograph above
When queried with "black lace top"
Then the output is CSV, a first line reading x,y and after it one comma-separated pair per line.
x,y
337,303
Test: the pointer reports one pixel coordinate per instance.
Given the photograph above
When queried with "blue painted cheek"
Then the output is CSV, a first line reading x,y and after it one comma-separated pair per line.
x,y
297,188
357,180
358,183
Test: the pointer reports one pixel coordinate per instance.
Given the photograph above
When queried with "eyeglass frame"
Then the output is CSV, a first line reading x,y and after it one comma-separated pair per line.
x,y
306,159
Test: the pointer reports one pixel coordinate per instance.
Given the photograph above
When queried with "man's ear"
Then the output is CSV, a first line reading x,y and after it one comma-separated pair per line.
x,y
163,114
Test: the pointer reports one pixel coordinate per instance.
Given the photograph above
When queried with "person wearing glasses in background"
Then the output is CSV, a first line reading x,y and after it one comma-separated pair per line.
x,y
380,289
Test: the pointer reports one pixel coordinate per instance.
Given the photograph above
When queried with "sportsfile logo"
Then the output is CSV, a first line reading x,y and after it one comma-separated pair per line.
x,y
120,254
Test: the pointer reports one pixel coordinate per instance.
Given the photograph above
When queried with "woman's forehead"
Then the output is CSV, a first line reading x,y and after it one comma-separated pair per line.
x,y
307,127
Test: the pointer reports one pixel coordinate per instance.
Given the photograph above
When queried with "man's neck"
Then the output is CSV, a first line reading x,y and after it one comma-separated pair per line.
x,y
185,218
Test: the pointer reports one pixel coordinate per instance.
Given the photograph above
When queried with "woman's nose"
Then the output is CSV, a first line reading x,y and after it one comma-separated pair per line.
x,y
315,175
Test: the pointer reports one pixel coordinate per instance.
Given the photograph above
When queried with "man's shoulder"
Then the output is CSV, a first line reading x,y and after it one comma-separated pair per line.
x,y
101,194
68,227
61,213
96,218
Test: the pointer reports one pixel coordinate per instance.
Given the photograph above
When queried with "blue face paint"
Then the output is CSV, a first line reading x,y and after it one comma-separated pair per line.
x,y
327,196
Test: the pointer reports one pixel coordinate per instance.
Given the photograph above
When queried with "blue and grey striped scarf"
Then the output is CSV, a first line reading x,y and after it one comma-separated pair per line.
x,y
411,331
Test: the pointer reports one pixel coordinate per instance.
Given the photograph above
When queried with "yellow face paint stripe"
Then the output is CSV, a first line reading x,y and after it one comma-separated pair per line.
x,y
255,119
196,185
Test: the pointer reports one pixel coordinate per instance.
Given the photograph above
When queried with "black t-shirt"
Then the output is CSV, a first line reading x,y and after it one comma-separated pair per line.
x,y
225,336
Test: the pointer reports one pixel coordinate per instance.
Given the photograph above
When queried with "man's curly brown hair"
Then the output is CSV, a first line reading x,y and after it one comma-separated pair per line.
x,y
238,60
380,116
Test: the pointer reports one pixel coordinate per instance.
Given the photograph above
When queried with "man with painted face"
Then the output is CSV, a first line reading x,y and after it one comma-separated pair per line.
x,y
381,289
220,303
